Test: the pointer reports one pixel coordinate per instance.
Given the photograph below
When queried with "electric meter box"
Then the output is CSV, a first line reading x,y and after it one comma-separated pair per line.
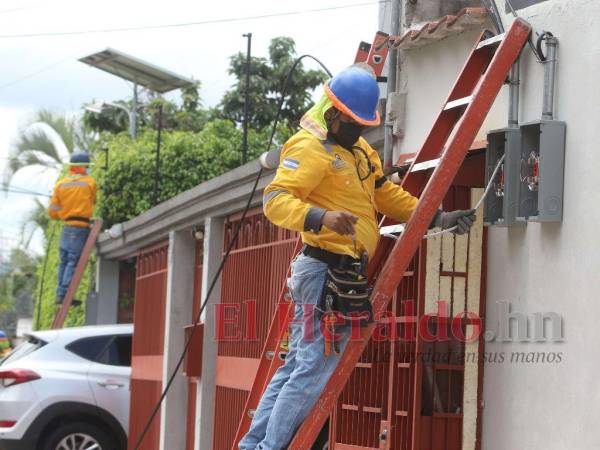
x,y
541,171
501,203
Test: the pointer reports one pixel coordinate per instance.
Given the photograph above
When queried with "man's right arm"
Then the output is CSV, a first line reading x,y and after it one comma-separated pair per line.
x,y
300,171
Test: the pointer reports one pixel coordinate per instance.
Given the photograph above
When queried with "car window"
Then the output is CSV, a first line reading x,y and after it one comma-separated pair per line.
x,y
90,348
118,352
27,347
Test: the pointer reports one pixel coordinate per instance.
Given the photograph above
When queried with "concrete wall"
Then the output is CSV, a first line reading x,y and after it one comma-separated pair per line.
x,y
540,268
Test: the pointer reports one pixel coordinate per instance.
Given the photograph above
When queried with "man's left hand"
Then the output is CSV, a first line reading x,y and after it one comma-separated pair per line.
x,y
462,219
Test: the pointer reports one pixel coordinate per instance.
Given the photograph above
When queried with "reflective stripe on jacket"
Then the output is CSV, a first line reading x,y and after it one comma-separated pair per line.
x,y
73,196
317,176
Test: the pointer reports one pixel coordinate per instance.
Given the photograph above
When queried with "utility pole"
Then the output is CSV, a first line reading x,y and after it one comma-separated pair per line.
x,y
247,99
157,171
133,113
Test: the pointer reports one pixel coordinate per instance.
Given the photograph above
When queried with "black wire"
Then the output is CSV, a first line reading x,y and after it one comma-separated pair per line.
x,y
542,37
23,191
226,256
187,24
40,293
529,39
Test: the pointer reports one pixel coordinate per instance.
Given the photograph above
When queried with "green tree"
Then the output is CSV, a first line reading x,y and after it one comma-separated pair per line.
x,y
36,219
189,115
46,142
17,289
266,81
187,159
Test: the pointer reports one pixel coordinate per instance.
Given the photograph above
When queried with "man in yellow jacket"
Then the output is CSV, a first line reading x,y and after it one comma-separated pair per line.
x,y
329,186
72,202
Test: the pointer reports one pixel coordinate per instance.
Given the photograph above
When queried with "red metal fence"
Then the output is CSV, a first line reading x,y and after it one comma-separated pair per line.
x,y
407,393
398,397
148,343
252,278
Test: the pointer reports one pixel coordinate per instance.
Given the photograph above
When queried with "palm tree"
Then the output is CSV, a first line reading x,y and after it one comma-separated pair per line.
x,y
46,142
36,219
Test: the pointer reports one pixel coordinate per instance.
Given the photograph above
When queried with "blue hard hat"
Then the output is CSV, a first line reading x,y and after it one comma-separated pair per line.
x,y
79,159
355,92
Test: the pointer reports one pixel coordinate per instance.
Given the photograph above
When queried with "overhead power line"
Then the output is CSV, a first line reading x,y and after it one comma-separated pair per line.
x,y
37,72
23,191
188,24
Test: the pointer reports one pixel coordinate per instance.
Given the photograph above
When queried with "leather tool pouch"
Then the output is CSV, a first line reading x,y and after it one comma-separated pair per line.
x,y
347,294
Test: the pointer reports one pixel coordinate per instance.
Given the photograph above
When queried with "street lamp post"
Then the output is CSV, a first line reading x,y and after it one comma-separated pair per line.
x,y
99,107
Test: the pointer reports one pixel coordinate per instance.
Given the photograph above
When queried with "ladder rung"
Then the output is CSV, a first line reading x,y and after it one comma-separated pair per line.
x,y
457,103
425,165
391,229
491,41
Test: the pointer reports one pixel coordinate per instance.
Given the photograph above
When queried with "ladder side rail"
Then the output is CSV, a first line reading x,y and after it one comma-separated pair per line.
x,y
61,314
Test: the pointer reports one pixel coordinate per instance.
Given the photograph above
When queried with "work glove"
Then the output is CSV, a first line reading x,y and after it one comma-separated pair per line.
x,y
462,219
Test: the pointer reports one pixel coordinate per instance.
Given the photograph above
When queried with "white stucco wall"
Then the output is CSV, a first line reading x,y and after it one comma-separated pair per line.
x,y
541,268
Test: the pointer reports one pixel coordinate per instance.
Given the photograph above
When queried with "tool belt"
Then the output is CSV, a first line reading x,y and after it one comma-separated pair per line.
x,y
331,259
77,219
346,294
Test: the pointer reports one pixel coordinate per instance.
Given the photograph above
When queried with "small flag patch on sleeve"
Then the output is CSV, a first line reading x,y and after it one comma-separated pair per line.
x,y
291,163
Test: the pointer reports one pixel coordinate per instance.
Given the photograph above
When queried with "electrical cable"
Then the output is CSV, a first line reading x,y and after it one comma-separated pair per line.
x,y
232,242
529,39
538,45
40,293
23,191
485,193
187,24
41,70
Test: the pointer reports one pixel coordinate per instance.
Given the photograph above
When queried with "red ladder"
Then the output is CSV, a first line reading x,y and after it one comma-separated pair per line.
x,y
61,314
446,146
468,103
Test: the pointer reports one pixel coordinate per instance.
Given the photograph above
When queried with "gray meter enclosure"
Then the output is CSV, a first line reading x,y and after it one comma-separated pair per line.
x,y
501,203
529,184
541,171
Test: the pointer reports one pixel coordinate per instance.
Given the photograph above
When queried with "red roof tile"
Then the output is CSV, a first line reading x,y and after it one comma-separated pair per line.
x,y
439,29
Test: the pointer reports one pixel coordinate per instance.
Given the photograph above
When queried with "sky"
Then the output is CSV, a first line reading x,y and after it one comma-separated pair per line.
x,y
42,71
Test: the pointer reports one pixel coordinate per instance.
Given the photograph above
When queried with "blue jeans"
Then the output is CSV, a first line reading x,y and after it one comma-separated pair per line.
x,y
297,384
72,241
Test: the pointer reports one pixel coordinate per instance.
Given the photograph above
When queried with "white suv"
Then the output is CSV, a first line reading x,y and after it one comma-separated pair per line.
x,y
67,390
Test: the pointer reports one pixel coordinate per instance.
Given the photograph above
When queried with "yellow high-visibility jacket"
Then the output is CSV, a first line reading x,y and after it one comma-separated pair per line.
x,y
317,176
73,196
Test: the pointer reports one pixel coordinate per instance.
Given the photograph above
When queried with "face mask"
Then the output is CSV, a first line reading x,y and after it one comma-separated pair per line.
x,y
347,134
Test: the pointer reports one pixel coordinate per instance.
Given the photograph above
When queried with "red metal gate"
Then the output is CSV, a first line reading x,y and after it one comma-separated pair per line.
x,y
148,343
251,281
407,391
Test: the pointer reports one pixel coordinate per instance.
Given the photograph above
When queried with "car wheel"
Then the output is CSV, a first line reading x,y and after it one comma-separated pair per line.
x,y
78,436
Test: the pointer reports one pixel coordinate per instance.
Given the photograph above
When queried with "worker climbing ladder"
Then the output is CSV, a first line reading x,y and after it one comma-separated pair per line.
x,y
275,348
61,314
444,150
